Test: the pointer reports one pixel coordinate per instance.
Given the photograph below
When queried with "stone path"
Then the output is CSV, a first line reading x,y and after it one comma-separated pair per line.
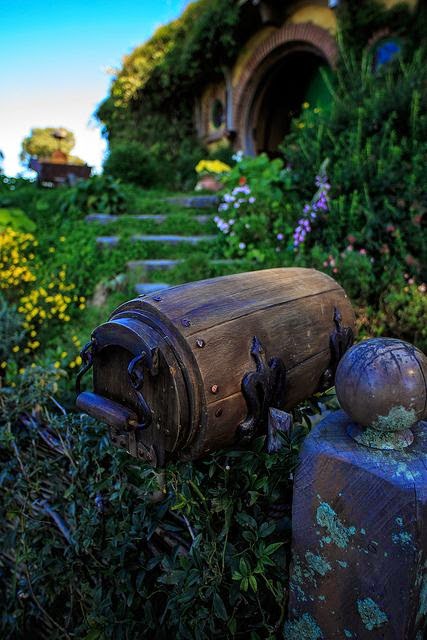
x,y
185,215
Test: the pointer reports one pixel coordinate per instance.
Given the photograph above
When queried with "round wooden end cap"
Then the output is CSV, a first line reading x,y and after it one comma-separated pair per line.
x,y
381,385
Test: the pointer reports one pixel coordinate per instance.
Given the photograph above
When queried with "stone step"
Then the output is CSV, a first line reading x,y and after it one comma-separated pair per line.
x,y
172,239
165,265
152,265
144,288
104,218
195,202
109,242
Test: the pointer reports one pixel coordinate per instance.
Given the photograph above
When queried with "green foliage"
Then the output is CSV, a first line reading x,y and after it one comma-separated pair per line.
x,y
362,20
131,162
375,137
402,310
41,142
158,164
143,103
255,208
98,545
195,267
11,330
99,194
16,220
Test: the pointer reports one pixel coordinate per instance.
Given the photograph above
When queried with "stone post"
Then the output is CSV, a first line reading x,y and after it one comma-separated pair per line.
x,y
359,548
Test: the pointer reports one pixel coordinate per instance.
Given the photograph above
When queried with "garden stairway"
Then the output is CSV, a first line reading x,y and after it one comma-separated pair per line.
x,y
165,240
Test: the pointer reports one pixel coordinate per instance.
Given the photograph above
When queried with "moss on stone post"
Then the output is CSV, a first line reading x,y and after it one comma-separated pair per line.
x,y
359,548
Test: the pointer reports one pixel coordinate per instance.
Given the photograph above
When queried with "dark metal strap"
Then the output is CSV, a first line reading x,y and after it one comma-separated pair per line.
x,y
340,340
262,389
146,360
86,355
136,376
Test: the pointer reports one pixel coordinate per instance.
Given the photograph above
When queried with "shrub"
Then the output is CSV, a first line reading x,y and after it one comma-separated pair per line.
x,y
256,210
16,250
152,97
402,312
45,301
12,333
375,138
132,162
100,546
99,194
16,219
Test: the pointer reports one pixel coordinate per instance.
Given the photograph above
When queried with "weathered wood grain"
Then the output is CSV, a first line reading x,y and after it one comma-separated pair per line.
x,y
220,300
204,333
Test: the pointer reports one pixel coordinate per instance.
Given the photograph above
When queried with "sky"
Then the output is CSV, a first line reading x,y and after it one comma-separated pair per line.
x,y
54,62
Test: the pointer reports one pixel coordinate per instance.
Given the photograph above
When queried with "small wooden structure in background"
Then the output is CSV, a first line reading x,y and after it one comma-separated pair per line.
x,y
54,173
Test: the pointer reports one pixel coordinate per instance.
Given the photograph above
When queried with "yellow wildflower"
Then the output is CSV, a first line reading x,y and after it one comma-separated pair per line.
x,y
212,166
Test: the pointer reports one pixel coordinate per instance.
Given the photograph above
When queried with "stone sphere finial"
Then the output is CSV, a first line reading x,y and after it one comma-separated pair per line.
x,y
381,385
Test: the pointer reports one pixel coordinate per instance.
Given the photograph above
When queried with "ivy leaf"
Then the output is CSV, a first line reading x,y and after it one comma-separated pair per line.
x,y
253,583
219,607
244,567
272,548
266,529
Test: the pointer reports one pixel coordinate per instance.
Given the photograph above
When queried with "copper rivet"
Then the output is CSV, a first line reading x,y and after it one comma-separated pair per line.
x,y
214,388
200,343
218,412
186,322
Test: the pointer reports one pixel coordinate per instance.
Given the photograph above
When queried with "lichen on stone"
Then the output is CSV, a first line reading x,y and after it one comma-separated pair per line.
x,y
403,471
371,614
305,628
403,538
397,419
318,563
299,578
337,532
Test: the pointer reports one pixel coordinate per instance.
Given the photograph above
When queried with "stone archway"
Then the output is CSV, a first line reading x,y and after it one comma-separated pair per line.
x,y
272,85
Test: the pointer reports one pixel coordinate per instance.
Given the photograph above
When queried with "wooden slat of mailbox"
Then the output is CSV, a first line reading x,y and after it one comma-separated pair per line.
x,y
204,332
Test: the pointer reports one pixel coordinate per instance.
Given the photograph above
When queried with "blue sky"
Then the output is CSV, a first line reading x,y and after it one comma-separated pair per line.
x,y
54,61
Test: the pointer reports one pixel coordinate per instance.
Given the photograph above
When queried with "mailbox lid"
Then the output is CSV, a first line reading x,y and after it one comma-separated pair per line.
x,y
135,366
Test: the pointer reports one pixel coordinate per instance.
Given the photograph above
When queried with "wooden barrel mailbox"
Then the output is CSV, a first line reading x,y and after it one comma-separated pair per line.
x,y
195,368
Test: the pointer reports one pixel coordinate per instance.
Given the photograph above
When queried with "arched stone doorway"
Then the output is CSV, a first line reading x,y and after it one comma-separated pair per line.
x,y
277,80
